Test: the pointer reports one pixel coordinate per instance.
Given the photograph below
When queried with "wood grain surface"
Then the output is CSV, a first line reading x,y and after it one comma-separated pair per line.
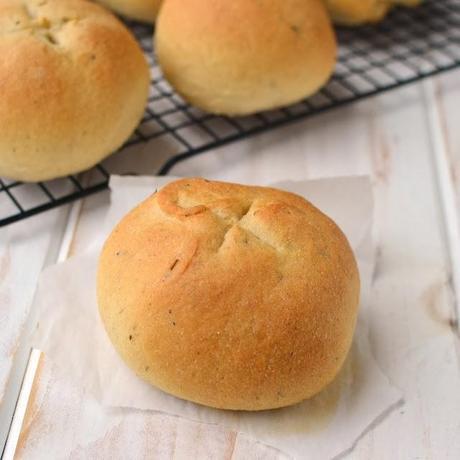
x,y
413,328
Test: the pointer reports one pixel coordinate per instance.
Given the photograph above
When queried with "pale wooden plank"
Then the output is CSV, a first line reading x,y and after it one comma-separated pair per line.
x,y
25,247
63,422
413,330
32,363
446,97
90,219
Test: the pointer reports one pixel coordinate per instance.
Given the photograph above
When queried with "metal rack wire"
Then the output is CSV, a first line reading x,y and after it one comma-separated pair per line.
x,y
409,45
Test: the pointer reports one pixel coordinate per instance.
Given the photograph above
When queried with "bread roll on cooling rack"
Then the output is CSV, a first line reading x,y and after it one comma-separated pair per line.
x,y
73,84
230,296
241,57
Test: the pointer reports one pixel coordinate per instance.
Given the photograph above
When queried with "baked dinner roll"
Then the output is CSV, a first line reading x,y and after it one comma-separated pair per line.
x,y
73,86
353,12
142,10
241,57
230,296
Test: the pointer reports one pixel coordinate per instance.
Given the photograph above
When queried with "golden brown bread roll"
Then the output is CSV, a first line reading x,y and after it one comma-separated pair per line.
x,y
73,85
353,12
142,10
241,57
230,296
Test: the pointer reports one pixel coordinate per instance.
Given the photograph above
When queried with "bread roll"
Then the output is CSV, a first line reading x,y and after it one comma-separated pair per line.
x,y
73,84
241,57
141,10
230,296
354,12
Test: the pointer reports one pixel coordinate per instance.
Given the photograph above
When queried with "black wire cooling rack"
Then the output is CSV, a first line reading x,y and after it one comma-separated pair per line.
x,y
409,45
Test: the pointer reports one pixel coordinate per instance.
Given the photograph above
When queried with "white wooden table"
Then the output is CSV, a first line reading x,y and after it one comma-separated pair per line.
x,y
409,142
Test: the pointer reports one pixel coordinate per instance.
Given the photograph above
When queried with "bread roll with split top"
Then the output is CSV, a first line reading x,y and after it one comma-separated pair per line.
x,y
230,296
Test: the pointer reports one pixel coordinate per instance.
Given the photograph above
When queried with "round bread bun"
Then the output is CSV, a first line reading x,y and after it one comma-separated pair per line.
x,y
73,85
241,57
230,296
141,10
354,12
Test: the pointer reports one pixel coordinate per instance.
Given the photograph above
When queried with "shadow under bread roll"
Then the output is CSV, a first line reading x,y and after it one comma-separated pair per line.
x,y
230,296
241,57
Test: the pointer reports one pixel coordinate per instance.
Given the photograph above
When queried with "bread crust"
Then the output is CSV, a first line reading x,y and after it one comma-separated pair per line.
x,y
241,57
230,296
73,85
141,10
354,12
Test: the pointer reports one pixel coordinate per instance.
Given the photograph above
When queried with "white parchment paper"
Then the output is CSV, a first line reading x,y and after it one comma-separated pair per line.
x,y
71,334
